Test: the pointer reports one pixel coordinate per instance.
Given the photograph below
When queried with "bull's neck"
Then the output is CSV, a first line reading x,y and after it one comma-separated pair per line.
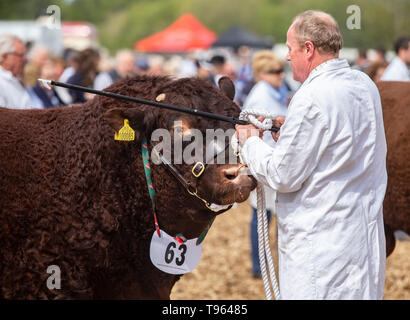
x,y
178,211
122,165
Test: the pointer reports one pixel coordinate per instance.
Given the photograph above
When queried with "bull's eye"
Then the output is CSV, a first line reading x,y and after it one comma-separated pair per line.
x,y
181,128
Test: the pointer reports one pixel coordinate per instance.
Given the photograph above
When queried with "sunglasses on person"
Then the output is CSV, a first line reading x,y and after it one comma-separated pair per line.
x,y
277,71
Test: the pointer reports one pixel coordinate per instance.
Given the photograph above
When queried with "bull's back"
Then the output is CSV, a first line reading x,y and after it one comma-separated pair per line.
x,y
26,147
19,137
395,98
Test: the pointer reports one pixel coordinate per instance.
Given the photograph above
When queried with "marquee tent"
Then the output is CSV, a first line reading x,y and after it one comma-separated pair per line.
x,y
185,34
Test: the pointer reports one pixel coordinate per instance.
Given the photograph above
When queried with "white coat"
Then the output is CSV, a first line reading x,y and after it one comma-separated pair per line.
x,y
12,93
329,168
265,98
397,70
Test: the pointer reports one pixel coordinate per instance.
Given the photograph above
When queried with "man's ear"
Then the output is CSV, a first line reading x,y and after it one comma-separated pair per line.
x,y
310,48
227,87
141,121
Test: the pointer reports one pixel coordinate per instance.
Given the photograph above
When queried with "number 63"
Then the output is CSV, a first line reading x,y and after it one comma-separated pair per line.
x,y
169,253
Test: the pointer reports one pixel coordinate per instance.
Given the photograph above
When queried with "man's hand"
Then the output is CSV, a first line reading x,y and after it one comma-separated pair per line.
x,y
278,122
243,132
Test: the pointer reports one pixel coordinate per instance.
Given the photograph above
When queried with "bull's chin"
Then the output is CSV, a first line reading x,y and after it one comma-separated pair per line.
x,y
239,195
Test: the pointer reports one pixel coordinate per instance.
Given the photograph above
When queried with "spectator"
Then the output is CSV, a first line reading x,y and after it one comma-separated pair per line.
x,y
87,75
376,69
244,75
188,67
43,98
362,63
84,74
268,72
156,66
142,65
13,94
398,69
244,71
125,65
71,58
380,54
203,70
38,58
72,62
229,71
59,66
218,68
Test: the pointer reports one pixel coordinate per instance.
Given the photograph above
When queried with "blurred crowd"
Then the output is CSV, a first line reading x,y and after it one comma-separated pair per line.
x,y
248,68
378,69
262,81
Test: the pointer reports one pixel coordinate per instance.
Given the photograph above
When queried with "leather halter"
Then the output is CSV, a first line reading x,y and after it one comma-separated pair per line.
x,y
197,171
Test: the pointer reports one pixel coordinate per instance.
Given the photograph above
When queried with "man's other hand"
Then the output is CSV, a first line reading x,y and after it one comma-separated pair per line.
x,y
278,122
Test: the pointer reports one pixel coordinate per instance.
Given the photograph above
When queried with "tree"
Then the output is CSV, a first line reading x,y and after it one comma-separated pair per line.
x,y
122,22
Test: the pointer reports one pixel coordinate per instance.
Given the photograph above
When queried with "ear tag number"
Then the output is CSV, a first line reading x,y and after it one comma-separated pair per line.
x,y
126,133
170,256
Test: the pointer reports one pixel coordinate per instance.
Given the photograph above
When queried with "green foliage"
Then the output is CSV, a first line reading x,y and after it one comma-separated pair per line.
x,y
122,22
138,20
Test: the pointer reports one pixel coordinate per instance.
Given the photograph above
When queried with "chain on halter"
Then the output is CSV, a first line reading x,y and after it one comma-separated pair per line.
x,y
147,168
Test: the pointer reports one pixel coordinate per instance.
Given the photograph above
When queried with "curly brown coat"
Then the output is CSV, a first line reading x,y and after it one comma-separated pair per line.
x,y
72,196
396,206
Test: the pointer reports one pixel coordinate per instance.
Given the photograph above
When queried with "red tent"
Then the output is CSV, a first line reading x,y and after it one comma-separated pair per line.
x,y
185,34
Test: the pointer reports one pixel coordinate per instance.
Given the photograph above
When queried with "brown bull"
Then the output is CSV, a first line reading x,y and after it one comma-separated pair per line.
x,y
73,197
396,207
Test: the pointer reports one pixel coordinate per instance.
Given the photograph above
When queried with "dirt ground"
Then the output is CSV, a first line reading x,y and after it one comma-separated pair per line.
x,y
224,271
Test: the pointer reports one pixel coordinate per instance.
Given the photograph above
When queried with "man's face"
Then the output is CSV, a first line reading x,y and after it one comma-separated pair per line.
x,y
297,57
126,65
16,60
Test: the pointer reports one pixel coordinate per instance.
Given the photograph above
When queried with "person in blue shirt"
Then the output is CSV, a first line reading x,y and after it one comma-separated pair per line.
x,y
43,98
270,93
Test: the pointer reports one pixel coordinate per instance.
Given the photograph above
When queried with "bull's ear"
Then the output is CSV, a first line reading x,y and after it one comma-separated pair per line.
x,y
140,121
226,85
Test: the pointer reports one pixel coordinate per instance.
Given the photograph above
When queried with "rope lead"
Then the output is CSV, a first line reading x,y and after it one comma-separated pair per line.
x,y
264,251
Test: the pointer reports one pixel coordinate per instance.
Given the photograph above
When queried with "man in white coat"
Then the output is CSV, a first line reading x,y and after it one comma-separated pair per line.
x,y
12,61
329,169
398,69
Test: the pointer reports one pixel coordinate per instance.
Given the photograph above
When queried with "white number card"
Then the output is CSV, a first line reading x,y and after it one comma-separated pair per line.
x,y
172,257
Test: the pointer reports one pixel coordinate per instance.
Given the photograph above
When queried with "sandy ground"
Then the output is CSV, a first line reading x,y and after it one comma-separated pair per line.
x,y
225,268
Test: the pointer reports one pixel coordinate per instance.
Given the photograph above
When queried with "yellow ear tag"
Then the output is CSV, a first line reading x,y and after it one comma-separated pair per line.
x,y
126,133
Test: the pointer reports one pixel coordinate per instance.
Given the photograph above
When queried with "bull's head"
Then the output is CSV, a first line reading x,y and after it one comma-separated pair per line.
x,y
201,154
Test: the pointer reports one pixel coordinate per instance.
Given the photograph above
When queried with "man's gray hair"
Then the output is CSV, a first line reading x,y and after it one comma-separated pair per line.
x,y
7,44
320,28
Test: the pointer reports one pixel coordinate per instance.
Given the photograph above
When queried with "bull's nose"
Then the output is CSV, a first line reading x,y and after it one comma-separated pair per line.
x,y
232,172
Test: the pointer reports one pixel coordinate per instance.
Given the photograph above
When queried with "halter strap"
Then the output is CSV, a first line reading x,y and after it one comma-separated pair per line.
x,y
147,169
151,190
190,188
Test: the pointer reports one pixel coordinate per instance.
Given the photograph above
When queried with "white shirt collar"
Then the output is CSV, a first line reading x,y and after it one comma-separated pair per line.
x,y
329,65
